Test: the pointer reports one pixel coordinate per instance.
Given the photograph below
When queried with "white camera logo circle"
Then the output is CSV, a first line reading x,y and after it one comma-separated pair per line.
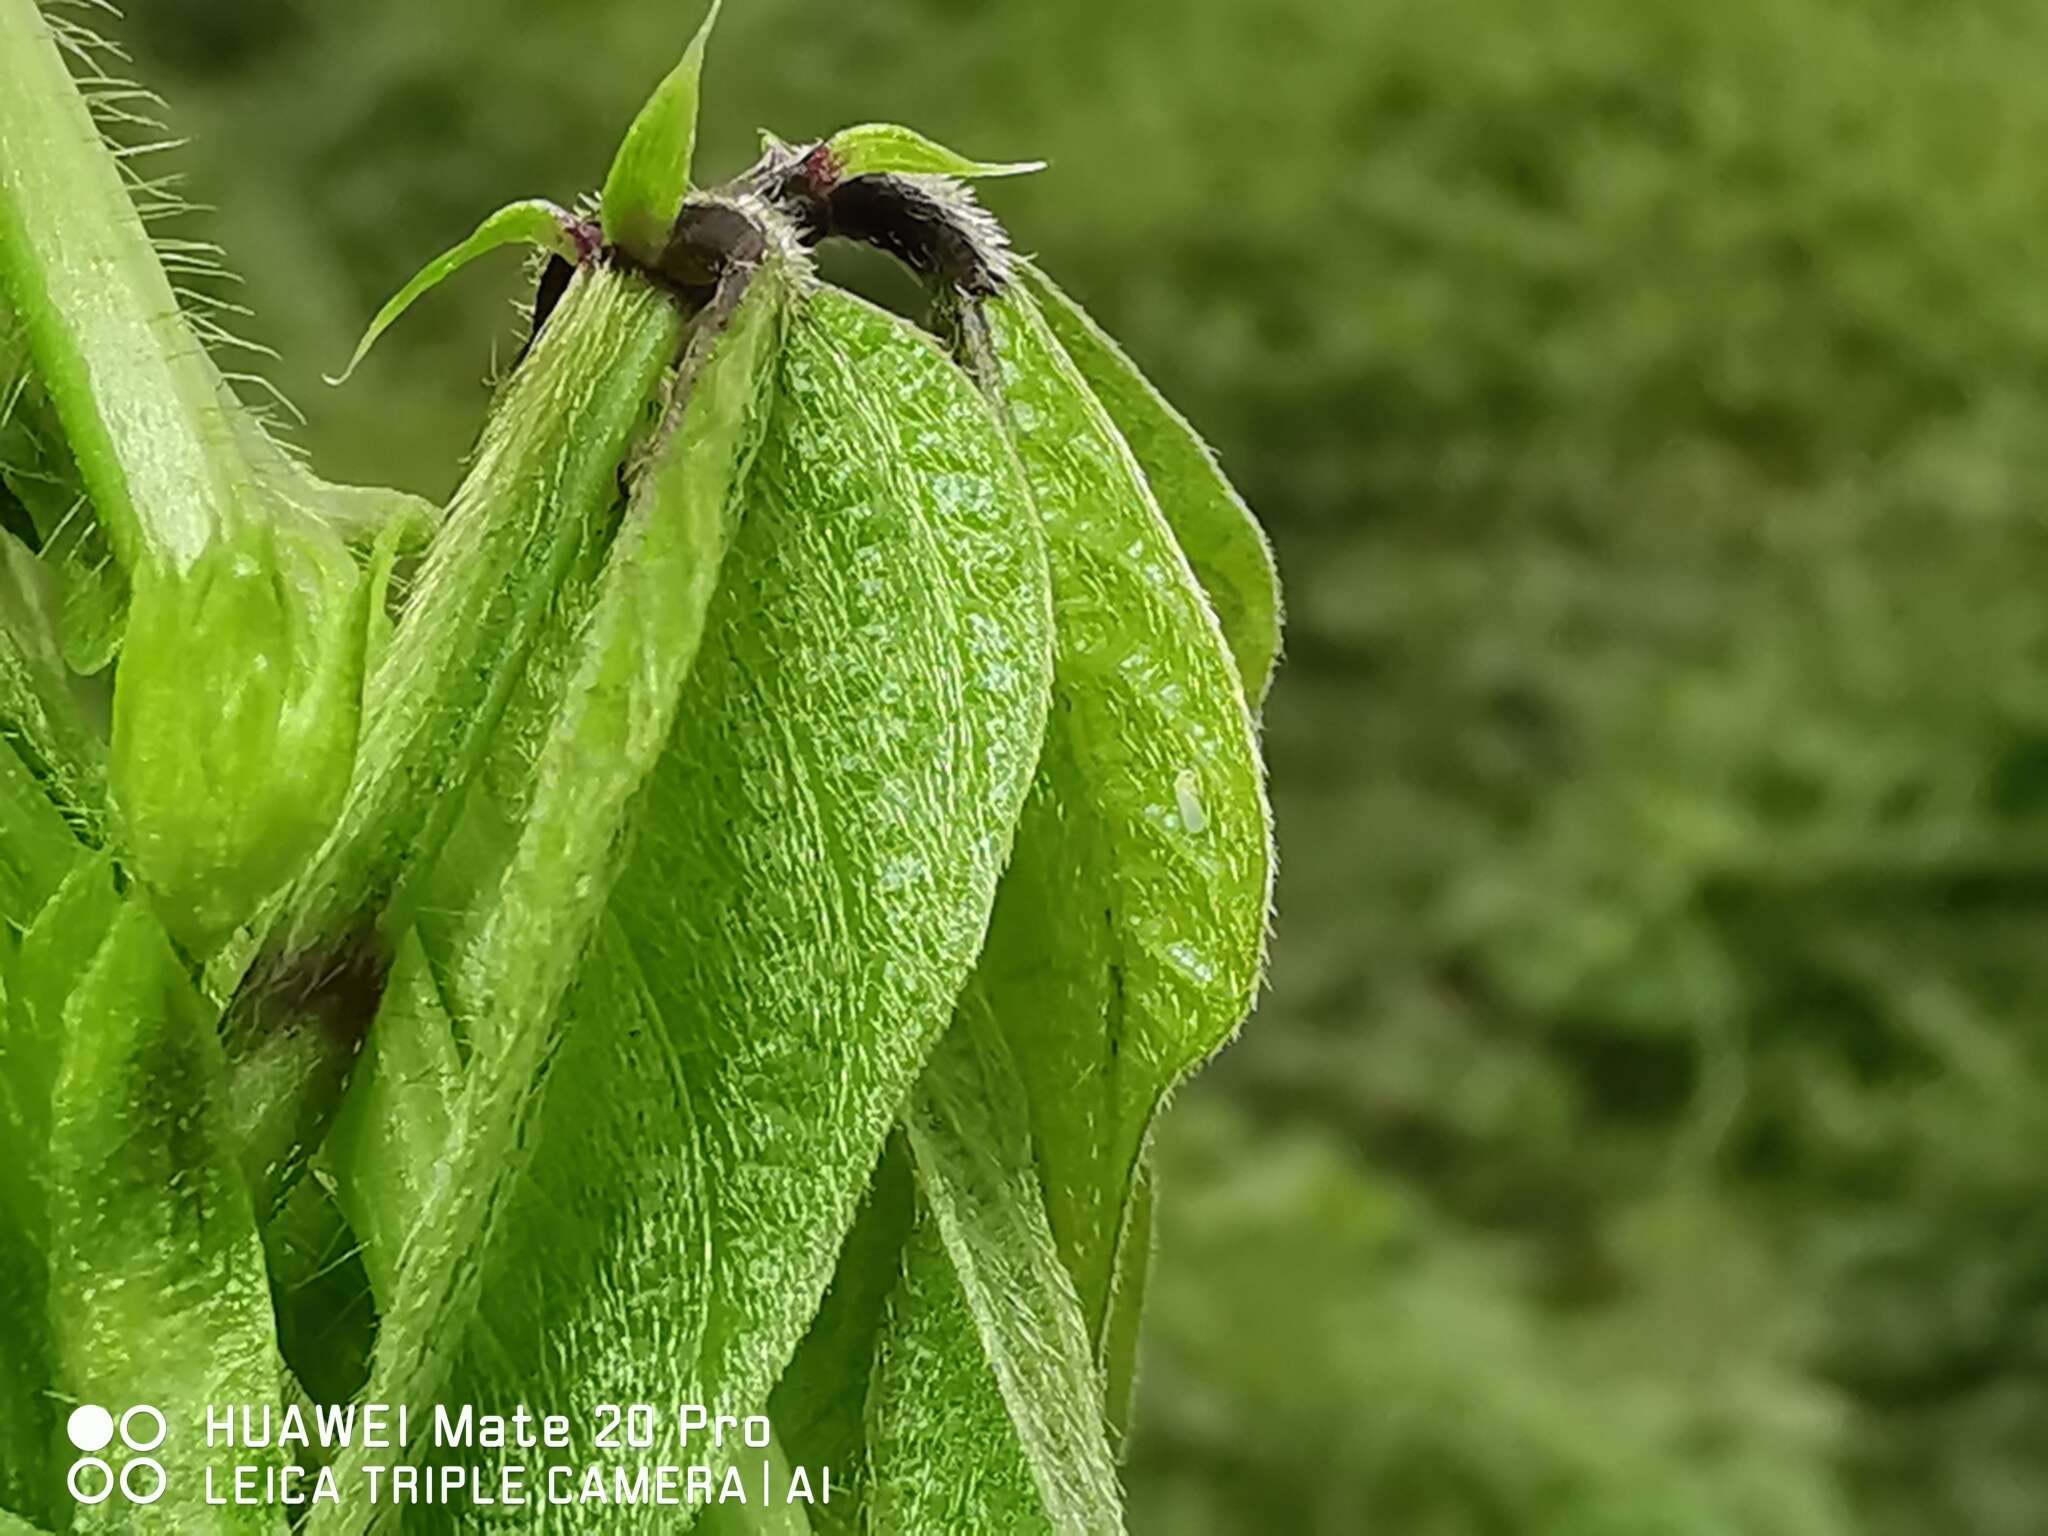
x,y
92,1480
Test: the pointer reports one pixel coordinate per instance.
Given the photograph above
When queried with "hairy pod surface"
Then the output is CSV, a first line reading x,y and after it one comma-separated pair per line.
x,y
545,475
814,861
629,663
1224,544
545,471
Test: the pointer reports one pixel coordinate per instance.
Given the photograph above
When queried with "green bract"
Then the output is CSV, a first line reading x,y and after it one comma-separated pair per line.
x,y
709,917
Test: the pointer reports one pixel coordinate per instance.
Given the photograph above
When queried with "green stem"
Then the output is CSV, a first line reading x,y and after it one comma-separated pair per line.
x,y
243,611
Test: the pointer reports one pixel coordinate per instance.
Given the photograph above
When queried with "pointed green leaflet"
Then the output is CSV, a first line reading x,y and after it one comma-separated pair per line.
x,y
545,476
650,175
874,148
634,653
815,858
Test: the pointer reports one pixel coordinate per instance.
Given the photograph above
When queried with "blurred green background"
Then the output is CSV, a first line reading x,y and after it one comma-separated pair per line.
x,y
1643,1130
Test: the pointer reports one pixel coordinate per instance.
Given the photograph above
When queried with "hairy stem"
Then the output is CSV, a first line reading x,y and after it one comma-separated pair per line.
x,y
127,377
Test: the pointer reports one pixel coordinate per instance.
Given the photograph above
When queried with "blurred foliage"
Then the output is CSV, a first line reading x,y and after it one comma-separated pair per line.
x,y
1645,398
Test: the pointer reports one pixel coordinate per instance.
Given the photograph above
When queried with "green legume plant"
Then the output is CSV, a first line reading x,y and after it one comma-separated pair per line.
x,y
708,917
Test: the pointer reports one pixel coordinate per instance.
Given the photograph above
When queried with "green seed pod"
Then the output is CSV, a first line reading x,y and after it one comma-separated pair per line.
x,y
546,474
984,1301
633,654
1129,936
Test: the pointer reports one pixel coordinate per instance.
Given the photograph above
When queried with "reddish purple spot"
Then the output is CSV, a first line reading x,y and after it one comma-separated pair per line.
x,y
588,235
821,169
